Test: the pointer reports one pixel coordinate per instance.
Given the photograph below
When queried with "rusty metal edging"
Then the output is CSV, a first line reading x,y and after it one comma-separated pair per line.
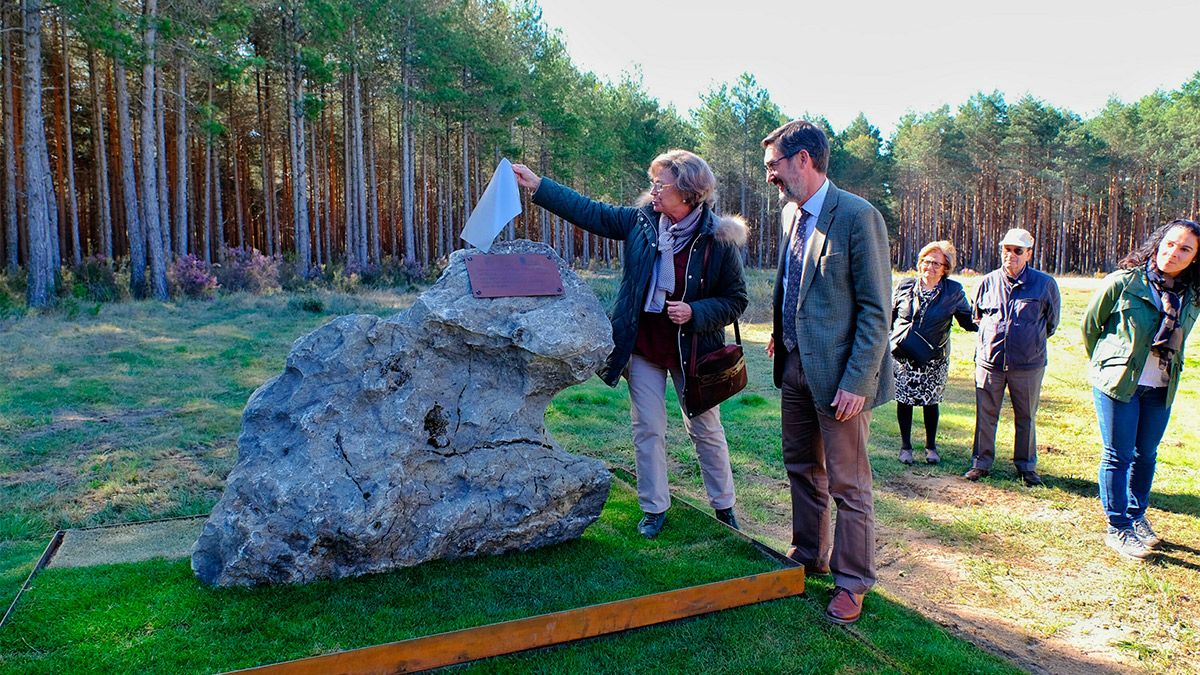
x,y
51,549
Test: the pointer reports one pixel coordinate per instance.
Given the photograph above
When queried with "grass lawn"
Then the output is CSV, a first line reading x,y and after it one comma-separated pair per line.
x,y
133,413
155,617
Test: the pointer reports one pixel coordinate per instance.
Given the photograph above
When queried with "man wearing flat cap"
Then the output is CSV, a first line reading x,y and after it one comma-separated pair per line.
x,y
1017,309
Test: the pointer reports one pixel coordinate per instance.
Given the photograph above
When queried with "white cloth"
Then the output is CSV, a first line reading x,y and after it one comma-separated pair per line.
x,y
499,204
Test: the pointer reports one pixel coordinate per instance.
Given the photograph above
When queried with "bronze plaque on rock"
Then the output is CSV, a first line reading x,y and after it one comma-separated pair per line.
x,y
504,275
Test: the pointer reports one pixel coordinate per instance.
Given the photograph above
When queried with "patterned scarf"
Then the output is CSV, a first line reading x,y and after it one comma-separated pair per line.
x,y
1169,337
673,238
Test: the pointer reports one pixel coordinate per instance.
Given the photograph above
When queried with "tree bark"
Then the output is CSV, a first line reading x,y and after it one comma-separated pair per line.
x,y
103,195
181,165
11,229
151,196
295,95
72,197
39,199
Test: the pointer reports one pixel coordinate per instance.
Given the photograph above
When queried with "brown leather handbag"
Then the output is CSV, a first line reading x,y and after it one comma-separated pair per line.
x,y
717,375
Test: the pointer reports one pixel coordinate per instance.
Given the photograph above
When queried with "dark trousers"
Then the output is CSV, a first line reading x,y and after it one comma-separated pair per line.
x,y
826,458
1025,392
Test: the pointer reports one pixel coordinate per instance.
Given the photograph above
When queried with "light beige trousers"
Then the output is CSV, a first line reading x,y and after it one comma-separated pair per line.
x,y
648,408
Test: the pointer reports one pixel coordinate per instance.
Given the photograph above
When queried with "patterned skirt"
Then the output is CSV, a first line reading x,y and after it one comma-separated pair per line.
x,y
920,385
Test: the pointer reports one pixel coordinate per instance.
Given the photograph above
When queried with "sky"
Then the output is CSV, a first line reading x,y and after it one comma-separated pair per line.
x,y
887,58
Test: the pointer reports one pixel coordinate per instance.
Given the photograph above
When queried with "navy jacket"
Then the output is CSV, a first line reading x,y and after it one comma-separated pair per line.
x,y
724,297
933,324
1015,323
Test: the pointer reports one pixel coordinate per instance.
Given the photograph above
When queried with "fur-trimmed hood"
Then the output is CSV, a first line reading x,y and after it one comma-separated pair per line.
x,y
733,229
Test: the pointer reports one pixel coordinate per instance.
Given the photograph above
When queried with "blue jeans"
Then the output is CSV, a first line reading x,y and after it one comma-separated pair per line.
x,y
1130,433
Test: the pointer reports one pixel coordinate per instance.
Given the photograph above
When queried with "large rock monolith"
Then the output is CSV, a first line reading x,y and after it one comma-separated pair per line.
x,y
390,442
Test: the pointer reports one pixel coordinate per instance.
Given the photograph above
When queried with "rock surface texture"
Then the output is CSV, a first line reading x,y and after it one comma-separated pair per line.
x,y
386,443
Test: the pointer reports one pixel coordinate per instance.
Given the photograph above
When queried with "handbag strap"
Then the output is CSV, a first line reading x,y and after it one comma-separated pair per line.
x,y
737,333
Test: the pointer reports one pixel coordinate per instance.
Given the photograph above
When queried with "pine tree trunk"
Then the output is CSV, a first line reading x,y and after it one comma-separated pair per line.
x,y
268,186
317,200
218,206
135,228
206,208
39,199
164,186
295,96
181,166
11,230
103,195
369,142
360,184
234,149
408,170
72,198
151,196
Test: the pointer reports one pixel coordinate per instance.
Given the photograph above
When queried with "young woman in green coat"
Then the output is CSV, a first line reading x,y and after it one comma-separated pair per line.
x,y
1135,329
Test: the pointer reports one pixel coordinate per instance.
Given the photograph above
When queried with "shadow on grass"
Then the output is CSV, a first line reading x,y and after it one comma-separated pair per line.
x,y
1182,504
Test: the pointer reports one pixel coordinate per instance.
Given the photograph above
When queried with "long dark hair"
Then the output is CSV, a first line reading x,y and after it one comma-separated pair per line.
x,y
1138,257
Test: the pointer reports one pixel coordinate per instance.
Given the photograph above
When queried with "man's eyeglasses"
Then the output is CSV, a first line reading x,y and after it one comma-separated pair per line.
x,y
1015,250
657,187
773,165
930,262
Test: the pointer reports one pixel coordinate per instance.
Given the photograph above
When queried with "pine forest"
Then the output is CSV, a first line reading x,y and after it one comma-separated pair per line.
x,y
356,132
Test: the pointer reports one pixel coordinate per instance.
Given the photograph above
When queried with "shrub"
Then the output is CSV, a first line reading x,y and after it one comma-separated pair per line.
x,y
309,303
191,277
247,270
394,273
12,294
95,279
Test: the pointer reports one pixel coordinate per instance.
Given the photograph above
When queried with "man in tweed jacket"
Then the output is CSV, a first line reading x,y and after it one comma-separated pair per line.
x,y
829,342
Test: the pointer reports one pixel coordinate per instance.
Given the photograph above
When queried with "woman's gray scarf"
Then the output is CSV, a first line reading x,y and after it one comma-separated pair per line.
x,y
673,238
1169,336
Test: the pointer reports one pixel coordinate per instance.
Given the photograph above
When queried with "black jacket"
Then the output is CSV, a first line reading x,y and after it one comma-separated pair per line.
x,y
724,297
932,320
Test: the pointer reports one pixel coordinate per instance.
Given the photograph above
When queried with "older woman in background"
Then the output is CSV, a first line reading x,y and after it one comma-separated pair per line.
x,y
682,276
1135,329
922,309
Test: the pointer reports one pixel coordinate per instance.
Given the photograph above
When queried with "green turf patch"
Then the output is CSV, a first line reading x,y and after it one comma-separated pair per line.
x,y
155,617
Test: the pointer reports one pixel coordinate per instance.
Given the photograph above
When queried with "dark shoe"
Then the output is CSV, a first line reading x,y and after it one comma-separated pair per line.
x,y
1031,478
932,456
974,474
845,607
906,456
652,524
810,568
726,516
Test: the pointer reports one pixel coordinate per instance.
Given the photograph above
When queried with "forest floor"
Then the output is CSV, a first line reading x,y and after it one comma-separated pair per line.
x,y
132,413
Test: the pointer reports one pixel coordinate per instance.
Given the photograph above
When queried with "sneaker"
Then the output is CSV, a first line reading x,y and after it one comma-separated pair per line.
x,y
652,524
726,516
974,474
906,456
1126,543
932,456
1031,478
1141,527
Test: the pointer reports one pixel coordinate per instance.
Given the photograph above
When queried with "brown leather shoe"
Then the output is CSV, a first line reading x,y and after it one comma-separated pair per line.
x,y
845,607
974,474
810,568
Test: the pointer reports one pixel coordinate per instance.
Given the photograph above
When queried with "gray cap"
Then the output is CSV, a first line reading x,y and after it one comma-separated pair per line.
x,y
1017,237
